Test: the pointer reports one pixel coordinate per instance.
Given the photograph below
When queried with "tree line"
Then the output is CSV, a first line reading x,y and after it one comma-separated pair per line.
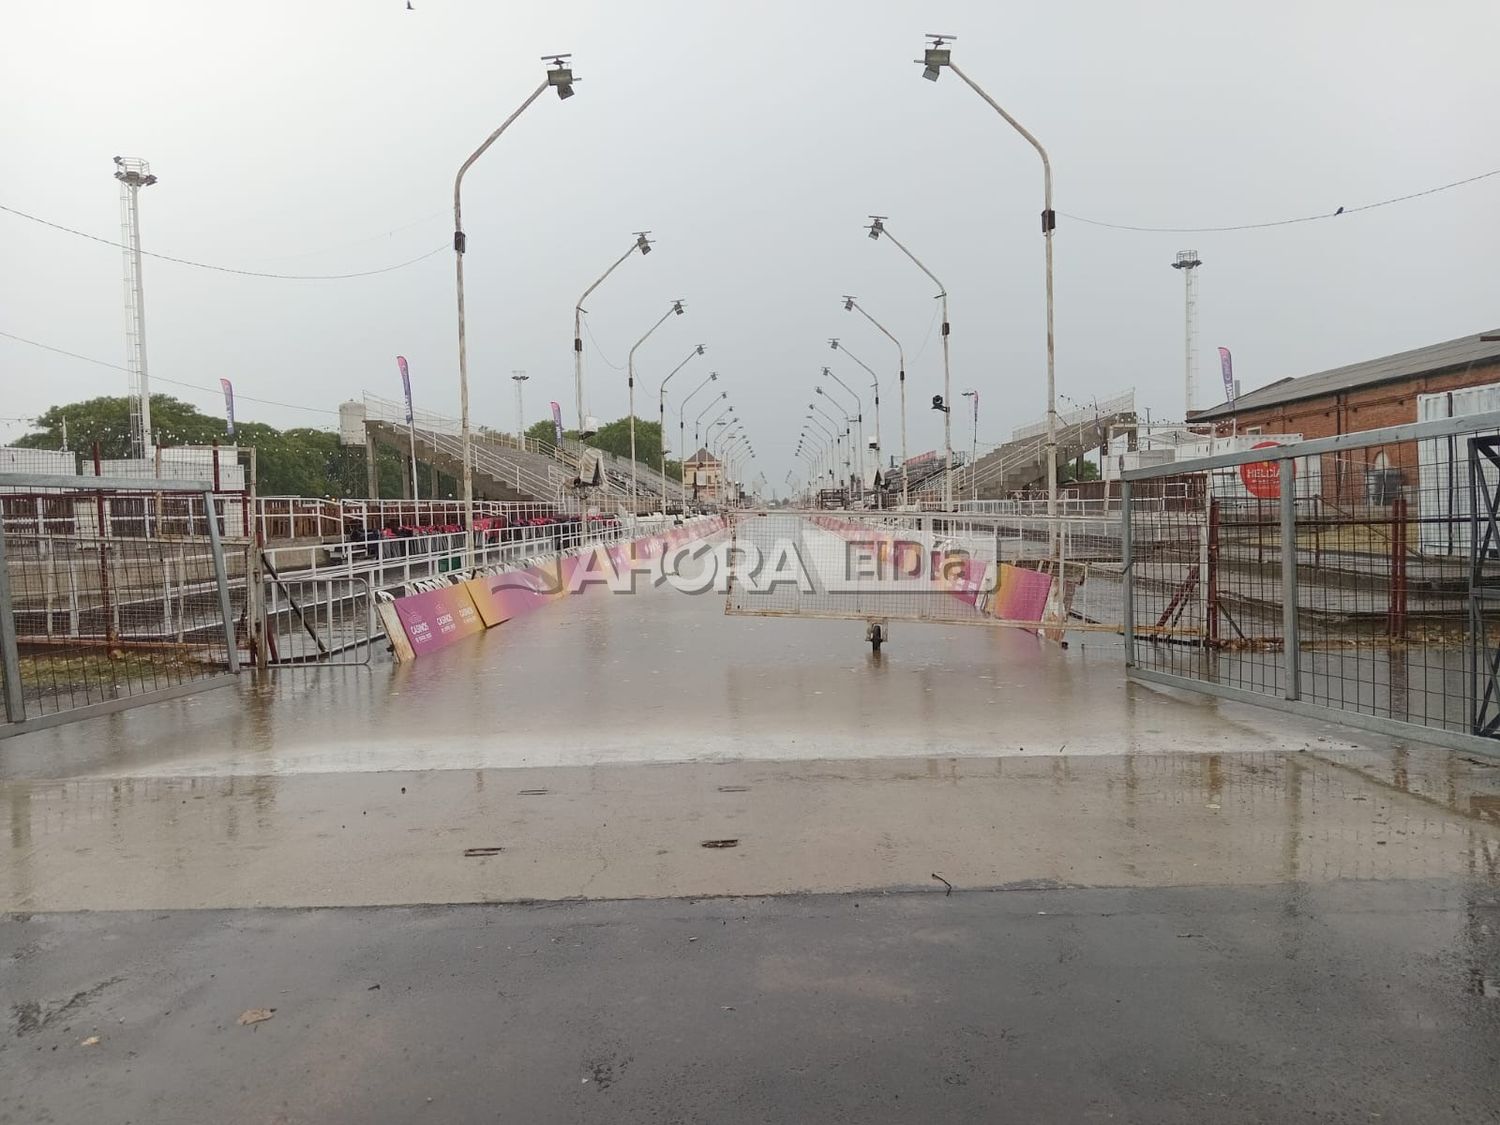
x,y
300,461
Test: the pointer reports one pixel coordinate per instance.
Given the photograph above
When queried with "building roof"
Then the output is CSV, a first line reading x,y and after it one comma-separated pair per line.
x,y
703,457
1447,356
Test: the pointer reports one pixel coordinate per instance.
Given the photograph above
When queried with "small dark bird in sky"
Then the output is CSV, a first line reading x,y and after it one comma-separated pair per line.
x,y
1340,211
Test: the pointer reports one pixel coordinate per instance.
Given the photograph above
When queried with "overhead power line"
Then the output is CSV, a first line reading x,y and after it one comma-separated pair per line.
x,y
1283,222
216,392
225,269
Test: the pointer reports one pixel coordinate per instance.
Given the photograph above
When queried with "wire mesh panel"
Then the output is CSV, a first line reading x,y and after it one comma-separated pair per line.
x,y
106,602
1338,574
329,620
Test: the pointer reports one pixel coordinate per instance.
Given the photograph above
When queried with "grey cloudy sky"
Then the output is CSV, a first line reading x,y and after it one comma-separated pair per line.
x,y
308,136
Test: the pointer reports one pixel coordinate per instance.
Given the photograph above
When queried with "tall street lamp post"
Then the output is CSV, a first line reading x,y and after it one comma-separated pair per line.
x,y
641,243
682,428
675,310
859,418
852,305
876,229
833,342
661,412
697,422
560,78
937,56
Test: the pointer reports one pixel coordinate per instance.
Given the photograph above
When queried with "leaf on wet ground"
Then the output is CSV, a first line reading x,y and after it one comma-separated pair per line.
x,y
255,1015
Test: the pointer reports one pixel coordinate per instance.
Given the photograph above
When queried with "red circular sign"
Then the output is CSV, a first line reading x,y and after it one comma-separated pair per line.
x,y
1262,478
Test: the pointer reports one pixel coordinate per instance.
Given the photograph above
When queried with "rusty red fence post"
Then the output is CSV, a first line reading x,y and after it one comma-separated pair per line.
x,y
1396,618
1213,573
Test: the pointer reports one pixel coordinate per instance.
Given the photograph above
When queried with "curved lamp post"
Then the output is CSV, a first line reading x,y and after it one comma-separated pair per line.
x,y
712,422
839,434
682,427
641,243
661,412
859,420
675,310
934,59
876,229
560,77
833,342
852,305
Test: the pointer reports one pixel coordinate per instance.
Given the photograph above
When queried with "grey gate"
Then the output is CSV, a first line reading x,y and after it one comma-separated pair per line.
x,y
114,592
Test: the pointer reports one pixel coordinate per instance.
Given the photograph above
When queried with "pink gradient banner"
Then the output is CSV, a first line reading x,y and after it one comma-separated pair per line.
x,y
1021,594
436,618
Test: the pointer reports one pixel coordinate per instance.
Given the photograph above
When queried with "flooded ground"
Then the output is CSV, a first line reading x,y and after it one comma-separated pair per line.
x,y
1163,907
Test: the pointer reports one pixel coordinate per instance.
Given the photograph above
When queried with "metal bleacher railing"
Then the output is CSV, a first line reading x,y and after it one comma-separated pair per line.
x,y
1028,444
531,467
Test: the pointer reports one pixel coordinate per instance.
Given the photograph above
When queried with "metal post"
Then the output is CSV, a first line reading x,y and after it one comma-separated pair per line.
x,y
1127,573
459,245
372,468
851,304
644,246
1289,638
221,579
411,440
1049,223
15,702
630,373
947,380
947,414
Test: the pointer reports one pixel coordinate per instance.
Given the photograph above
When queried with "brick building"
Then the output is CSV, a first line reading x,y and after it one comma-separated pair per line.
x,y
1361,396
703,471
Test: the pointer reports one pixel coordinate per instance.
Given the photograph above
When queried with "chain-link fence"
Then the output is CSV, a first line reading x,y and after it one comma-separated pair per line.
x,y
113,592
1349,574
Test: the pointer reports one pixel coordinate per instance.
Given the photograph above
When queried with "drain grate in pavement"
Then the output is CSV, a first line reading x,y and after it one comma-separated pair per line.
x,y
482,851
720,843
734,789
534,792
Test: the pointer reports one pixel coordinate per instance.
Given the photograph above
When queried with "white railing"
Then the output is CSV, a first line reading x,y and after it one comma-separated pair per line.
x,y
1034,447
1120,404
389,562
506,458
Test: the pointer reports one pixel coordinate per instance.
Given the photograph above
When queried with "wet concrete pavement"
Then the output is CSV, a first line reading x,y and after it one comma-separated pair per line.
x,y
1209,911
1344,1002
638,831
662,676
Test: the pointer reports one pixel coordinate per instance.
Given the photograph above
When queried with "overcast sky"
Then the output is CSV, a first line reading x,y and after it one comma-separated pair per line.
x,y
322,136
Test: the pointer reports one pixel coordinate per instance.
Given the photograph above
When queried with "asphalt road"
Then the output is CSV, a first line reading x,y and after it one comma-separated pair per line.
x,y
1349,1002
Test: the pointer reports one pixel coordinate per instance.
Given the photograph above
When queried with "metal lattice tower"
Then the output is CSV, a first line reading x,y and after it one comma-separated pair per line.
x,y
133,175
1188,261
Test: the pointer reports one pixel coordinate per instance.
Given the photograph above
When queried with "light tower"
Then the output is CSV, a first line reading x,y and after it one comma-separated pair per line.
x,y
133,175
1187,261
520,377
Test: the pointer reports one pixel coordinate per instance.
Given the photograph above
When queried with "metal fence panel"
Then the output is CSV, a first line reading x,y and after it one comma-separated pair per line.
x,y
1360,595
116,596
328,620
